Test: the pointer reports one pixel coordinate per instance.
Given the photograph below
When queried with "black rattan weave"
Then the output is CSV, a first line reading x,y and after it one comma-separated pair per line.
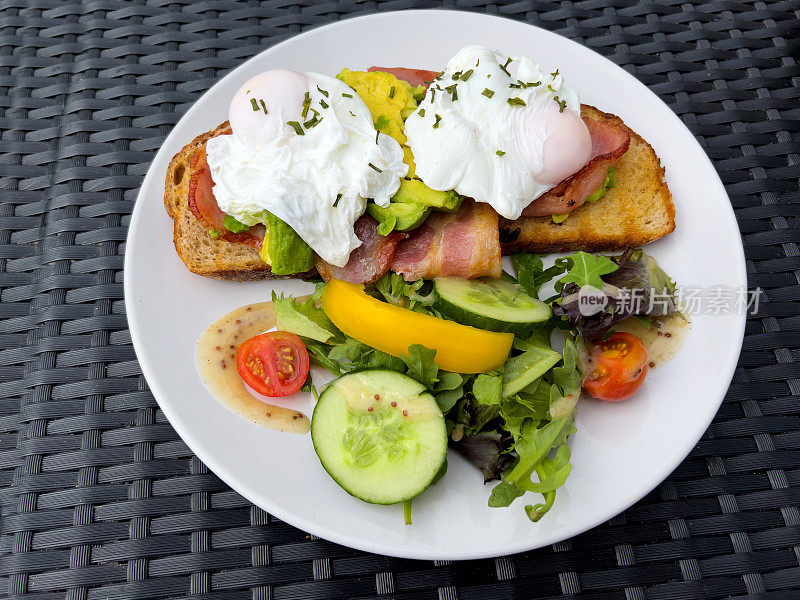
x,y
99,496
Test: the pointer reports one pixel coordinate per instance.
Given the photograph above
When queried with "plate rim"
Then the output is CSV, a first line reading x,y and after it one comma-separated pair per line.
x,y
315,526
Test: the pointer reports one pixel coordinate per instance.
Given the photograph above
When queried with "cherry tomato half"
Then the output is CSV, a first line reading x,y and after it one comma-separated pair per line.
x,y
617,367
274,363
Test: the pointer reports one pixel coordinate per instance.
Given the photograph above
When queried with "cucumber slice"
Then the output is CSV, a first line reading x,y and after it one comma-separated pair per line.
x,y
385,455
491,304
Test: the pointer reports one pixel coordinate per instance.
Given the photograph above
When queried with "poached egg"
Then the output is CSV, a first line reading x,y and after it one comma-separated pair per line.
x,y
304,147
497,129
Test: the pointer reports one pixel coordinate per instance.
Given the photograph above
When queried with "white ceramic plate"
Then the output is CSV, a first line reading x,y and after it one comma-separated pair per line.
x,y
621,451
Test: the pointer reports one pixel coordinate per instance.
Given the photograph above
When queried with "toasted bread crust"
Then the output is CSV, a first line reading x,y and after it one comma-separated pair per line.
x,y
202,254
638,210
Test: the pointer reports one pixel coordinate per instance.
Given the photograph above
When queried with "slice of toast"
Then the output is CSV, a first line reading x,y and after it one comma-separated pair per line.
x,y
201,253
636,211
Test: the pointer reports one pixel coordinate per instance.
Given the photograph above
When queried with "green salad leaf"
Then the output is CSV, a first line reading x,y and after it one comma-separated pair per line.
x,y
587,269
450,389
539,418
303,318
488,388
533,445
637,286
421,366
395,290
531,274
487,450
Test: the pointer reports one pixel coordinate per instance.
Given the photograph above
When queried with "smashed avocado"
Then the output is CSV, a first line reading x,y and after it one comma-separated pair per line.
x,y
389,99
283,250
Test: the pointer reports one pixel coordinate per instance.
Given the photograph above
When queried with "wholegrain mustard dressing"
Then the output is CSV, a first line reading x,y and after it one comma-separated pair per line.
x,y
663,339
215,357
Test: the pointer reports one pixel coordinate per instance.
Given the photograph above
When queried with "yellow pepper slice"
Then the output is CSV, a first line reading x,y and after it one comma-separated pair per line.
x,y
393,329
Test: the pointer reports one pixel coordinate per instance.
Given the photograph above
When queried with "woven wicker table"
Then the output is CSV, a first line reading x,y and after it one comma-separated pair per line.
x,y
99,498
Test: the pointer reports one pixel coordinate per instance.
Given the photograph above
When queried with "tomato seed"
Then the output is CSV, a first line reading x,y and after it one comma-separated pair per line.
x,y
405,413
394,403
376,397
652,364
370,409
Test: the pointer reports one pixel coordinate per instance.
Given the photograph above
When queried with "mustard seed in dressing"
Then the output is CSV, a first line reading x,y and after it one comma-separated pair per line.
x,y
225,385
663,339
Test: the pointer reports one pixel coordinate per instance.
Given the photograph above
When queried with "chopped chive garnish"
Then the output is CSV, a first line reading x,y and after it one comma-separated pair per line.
x,y
347,95
530,84
436,123
550,87
296,126
254,103
478,62
377,133
452,90
335,202
456,75
382,122
433,94
515,85
391,92
323,92
351,113
488,93
323,104
467,75
504,68
553,75
516,102
375,168
561,104
312,122
264,107
306,104
500,153
421,112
